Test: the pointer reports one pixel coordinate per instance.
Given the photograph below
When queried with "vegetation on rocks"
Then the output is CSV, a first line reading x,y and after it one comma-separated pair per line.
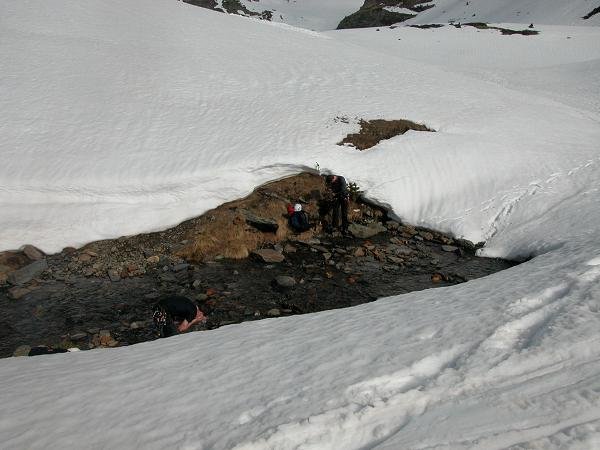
x,y
374,14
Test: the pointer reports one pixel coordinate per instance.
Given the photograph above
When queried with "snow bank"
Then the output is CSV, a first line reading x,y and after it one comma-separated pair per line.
x,y
118,117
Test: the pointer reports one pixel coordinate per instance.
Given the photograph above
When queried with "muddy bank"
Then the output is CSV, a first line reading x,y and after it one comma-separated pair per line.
x,y
233,261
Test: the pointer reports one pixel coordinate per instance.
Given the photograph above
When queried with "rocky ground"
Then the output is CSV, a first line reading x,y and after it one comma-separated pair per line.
x,y
101,295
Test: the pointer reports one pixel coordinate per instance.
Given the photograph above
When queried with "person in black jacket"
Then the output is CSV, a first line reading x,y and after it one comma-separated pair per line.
x,y
340,197
176,314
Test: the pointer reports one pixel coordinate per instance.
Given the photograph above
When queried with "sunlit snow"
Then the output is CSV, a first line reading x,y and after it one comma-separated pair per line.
x,y
122,117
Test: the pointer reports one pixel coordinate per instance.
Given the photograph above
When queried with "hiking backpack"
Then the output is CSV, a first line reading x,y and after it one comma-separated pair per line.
x,y
299,221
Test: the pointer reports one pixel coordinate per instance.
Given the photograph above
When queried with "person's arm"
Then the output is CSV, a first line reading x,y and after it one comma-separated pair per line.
x,y
185,324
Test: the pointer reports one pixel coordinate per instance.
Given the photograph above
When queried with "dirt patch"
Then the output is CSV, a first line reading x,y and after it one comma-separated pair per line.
x,y
374,131
504,31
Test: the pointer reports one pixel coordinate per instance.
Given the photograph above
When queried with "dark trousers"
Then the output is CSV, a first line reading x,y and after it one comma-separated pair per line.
x,y
340,205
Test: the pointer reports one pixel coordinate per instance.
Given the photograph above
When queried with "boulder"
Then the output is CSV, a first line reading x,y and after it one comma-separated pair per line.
x,y
27,273
269,255
262,224
365,232
33,253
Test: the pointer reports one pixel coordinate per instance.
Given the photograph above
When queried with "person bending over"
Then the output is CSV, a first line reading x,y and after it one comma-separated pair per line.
x,y
176,314
338,190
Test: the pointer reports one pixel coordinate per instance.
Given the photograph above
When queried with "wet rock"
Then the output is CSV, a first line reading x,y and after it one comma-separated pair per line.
x,y
113,275
22,350
449,248
285,281
261,223
33,253
27,273
290,249
466,244
269,255
180,267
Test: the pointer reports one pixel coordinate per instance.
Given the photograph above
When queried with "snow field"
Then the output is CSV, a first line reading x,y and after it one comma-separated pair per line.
x,y
106,132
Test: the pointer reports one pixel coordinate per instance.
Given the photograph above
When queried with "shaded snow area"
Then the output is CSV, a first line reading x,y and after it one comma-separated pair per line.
x,y
317,15
120,117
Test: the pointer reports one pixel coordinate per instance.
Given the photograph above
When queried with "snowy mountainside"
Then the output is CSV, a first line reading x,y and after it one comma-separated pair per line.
x,y
328,15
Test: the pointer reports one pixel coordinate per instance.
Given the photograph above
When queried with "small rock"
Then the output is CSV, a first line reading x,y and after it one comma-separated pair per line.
x,y
78,337
154,259
289,249
392,225
27,273
269,255
365,232
201,297
3,278
84,257
69,250
359,252
273,312
33,253
18,292
113,275
22,350
285,281
327,256
436,278
180,267
135,325
426,235
197,284
93,330
449,248
92,253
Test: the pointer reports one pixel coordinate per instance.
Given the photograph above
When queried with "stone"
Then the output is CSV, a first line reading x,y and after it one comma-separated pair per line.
x,y
273,313
327,256
113,275
197,284
33,253
269,255
289,249
426,235
22,350
395,260
392,225
78,337
180,267
201,297
18,292
69,250
285,281
403,250
366,231
449,248
3,278
262,224
135,325
27,273
436,278
84,257
359,252
92,253
154,259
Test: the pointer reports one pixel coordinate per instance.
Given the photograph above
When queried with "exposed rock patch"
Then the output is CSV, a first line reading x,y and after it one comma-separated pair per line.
x,y
374,131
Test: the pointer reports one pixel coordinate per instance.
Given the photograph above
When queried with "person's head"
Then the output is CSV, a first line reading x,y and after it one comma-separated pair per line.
x,y
297,207
330,179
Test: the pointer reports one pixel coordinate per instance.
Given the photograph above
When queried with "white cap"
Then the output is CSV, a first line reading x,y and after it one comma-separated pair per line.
x,y
297,207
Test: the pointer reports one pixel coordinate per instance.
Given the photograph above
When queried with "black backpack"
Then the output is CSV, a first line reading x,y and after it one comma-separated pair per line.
x,y
299,221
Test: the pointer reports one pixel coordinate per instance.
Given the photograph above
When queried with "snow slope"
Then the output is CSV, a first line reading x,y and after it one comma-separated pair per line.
x,y
117,117
316,15
549,12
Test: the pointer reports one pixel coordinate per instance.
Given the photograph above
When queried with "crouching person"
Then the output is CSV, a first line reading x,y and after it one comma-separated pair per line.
x,y
176,314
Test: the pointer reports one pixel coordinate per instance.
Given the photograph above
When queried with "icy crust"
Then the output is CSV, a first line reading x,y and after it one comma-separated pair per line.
x,y
107,132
